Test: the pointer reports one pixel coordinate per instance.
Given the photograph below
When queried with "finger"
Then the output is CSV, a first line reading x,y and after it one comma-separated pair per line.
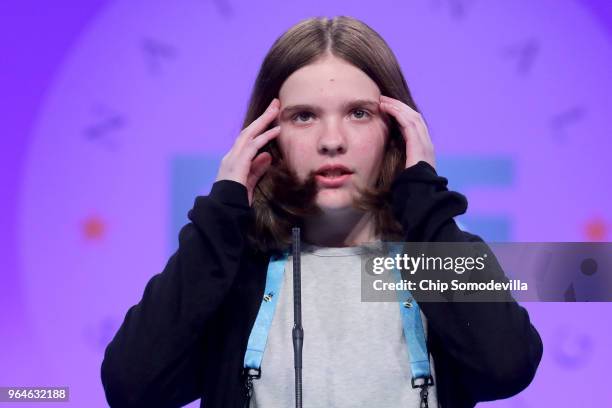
x,y
412,123
408,121
409,129
392,101
401,107
408,113
395,102
395,111
260,124
261,140
250,149
260,164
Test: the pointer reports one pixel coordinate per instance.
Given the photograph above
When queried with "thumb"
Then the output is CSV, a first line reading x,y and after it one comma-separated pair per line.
x,y
259,166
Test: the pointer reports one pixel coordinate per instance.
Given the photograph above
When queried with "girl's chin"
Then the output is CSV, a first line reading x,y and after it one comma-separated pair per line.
x,y
336,203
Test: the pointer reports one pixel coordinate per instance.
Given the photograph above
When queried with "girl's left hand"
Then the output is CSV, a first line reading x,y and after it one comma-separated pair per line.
x,y
414,130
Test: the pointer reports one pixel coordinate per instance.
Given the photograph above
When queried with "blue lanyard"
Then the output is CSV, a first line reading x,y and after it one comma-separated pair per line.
x,y
409,310
259,334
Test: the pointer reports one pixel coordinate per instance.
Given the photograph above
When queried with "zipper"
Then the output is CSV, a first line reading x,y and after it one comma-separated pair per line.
x,y
249,375
248,391
424,394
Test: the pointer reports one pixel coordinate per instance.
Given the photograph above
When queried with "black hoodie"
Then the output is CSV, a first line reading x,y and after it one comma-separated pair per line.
x,y
187,337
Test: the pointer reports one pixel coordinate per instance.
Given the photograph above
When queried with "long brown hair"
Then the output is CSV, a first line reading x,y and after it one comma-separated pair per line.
x,y
280,200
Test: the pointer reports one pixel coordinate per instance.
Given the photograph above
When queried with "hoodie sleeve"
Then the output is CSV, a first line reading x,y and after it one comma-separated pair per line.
x,y
158,355
493,344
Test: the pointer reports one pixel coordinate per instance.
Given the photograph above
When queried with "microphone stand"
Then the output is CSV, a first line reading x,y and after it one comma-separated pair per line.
x,y
298,332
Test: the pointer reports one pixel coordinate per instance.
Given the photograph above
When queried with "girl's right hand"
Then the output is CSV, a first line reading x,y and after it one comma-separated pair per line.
x,y
240,163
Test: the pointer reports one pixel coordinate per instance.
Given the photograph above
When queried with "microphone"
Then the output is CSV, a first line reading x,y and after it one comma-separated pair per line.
x,y
298,331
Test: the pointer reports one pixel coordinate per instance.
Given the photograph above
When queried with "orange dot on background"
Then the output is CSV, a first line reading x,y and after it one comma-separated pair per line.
x,y
94,228
596,229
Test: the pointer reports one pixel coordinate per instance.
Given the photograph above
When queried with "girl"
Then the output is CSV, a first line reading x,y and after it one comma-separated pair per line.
x,y
334,143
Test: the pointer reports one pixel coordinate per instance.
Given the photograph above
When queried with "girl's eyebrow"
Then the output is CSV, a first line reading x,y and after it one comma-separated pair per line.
x,y
372,104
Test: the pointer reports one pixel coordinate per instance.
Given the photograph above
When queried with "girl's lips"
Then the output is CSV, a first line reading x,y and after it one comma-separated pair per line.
x,y
332,182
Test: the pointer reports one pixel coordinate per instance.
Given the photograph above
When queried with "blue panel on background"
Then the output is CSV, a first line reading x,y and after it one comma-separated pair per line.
x,y
465,172
476,171
191,175
489,228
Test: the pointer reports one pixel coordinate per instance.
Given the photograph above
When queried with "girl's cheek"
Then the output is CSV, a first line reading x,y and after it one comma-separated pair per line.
x,y
285,142
295,152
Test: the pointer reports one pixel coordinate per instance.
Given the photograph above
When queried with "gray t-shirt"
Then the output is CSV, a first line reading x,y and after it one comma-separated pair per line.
x,y
354,353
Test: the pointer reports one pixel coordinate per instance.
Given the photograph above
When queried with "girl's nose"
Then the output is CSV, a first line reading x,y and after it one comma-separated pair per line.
x,y
332,141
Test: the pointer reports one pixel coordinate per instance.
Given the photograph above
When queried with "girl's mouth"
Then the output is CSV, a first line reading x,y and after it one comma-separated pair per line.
x,y
333,176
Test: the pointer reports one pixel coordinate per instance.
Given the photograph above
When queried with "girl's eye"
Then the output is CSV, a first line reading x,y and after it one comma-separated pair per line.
x,y
302,115
361,114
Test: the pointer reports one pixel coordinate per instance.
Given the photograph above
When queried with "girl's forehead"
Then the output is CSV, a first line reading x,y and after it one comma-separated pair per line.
x,y
332,79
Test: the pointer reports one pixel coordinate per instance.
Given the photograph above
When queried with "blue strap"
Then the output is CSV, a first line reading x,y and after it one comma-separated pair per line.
x,y
259,334
413,329
409,310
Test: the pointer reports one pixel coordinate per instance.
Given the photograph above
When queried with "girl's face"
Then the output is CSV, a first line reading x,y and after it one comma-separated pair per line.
x,y
331,124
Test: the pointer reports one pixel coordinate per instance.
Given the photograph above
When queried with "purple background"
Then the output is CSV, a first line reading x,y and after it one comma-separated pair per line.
x,y
522,85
